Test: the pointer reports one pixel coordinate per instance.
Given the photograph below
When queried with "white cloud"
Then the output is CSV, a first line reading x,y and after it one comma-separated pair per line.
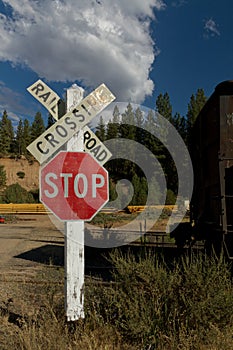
x,y
210,28
92,41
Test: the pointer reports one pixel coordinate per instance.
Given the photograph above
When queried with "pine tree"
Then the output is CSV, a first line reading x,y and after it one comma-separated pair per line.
x,y
140,190
50,122
195,105
37,127
26,136
127,129
139,121
180,124
19,139
6,134
112,132
100,130
163,106
113,125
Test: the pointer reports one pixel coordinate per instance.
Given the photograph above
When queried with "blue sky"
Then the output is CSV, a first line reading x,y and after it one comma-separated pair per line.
x,y
137,48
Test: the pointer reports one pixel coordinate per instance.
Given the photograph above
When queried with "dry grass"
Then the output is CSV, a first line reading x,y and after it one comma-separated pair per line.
x,y
188,306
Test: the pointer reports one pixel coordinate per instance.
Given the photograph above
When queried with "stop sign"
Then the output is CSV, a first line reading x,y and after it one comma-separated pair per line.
x,y
74,186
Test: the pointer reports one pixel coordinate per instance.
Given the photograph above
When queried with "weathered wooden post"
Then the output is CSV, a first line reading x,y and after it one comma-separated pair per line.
x,y
74,232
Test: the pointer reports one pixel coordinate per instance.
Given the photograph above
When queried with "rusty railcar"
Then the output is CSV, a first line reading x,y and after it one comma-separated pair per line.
x,y
212,156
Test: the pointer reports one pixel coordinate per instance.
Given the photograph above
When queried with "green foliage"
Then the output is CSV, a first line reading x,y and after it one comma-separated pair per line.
x,y
36,195
17,194
100,129
179,123
112,190
2,176
154,307
140,190
195,105
37,127
171,197
163,106
21,174
26,137
51,121
131,125
6,134
19,144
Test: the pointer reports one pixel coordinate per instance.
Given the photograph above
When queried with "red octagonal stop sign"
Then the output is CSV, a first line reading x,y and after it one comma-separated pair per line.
x,y
74,186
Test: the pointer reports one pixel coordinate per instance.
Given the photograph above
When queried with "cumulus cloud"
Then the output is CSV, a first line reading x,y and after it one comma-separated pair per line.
x,y
210,28
91,41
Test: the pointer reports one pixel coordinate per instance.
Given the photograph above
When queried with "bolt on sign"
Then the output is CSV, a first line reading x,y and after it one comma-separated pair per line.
x,y
59,133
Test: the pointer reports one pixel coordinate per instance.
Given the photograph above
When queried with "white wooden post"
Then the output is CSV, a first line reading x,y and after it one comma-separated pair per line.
x,y
74,233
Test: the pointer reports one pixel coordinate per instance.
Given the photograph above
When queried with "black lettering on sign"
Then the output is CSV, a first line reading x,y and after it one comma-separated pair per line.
x,y
102,155
39,88
53,99
86,136
85,109
61,131
72,124
50,138
95,151
40,149
52,109
77,114
45,96
90,143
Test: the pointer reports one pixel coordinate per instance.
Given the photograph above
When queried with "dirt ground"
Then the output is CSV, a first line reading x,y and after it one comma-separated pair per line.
x,y
31,249
18,239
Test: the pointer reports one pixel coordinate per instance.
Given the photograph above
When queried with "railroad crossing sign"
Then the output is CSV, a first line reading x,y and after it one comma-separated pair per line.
x,y
62,131
74,186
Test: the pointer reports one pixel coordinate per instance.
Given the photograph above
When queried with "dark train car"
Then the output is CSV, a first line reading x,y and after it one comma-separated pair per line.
x,y
212,156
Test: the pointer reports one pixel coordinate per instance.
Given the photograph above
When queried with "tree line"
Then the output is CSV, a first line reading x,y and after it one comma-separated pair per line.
x,y
14,142
127,125
133,124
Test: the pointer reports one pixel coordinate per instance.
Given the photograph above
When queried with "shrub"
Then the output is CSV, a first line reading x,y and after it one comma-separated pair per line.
x,y
21,174
36,195
151,305
171,197
17,194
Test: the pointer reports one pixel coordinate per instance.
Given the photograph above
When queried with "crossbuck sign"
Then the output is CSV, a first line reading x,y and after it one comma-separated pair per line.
x,y
62,131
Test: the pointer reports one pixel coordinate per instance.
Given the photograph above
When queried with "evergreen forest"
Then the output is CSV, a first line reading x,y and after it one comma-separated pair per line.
x,y
131,124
